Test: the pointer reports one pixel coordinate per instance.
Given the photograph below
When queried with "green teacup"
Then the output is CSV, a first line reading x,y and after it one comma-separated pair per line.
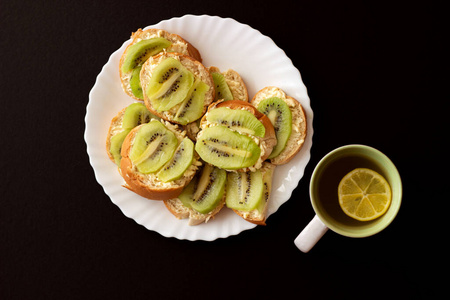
x,y
324,196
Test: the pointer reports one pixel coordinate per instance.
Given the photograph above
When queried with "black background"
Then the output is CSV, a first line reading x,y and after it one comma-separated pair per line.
x,y
374,75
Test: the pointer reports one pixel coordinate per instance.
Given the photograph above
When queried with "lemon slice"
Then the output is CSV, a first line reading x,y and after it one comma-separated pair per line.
x,y
364,194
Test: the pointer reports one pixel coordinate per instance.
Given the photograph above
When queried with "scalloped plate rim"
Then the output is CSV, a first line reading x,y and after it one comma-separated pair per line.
x,y
283,190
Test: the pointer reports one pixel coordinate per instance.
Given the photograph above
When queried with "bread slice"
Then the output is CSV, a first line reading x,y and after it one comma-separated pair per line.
x,y
192,65
179,45
299,127
256,216
114,128
234,82
176,207
148,185
266,143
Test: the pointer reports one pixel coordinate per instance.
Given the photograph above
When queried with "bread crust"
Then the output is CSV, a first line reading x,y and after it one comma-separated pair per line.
x,y
299,125
137,182
194,66
261,221
267,142
235,83
176,207
178,45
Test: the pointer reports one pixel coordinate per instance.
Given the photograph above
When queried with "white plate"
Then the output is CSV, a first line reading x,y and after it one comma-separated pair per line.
x,y
224,43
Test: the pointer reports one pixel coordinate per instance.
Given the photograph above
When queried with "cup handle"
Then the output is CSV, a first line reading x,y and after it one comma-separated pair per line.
x,y
310,235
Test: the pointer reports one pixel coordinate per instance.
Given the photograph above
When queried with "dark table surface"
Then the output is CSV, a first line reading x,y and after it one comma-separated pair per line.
x,y
62,238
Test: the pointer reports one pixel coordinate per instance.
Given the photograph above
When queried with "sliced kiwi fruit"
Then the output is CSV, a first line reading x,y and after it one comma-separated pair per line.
x,y
178,164
240,120
169,85
116,145
222,89
245,190
205,191
135,83
153,146
267,186
135,115
280,116
227,149
191,108
138,53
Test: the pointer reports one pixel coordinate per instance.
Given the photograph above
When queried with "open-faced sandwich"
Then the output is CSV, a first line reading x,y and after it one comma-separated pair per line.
x,y
176,87
144,44
158,160
131,116
235,136
202,198
287,117
248,193
228,85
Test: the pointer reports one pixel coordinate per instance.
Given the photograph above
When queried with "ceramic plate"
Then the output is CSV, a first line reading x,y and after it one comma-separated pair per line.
x,y
224,43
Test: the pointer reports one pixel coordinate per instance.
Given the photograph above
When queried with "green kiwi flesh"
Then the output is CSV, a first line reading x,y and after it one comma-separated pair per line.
x,y
267,186
169,85
135,115
280,116
191,109
240,120
245,190
135,83
178,164
116,145
227,149
222,89
138,53
205,191
153,146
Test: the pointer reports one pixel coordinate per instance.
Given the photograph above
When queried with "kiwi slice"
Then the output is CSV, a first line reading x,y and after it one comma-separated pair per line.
x,y
227,149
205,191
191,108
153,146
267,175
242,121
245,190
138,53
222,89
116,145
280,116
135,115
178,164
135,83
169,85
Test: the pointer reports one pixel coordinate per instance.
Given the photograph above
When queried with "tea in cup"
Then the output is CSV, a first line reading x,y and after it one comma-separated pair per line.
x,y
323,192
